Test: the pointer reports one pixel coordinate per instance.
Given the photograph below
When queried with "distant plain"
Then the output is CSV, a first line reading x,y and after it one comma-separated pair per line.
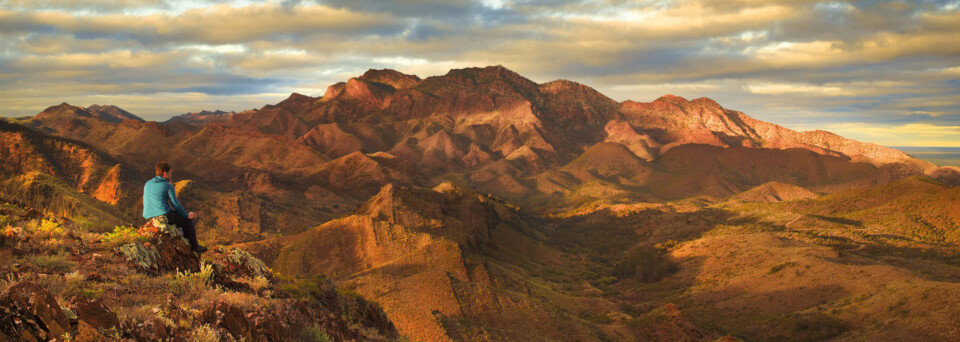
x,y
942,156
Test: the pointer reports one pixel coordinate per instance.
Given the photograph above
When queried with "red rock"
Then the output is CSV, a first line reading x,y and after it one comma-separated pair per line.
x,y
230,318
38,313
87,333
95,313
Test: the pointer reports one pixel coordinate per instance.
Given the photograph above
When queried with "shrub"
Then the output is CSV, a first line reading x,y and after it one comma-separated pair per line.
x,y
122,235
259,284
780,267
305,289
61,287
86,224
314,334
50,263
49,229
7,279
205,333
646,263
9,231
186,283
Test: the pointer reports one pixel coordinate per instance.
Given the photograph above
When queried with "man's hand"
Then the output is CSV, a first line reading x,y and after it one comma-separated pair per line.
x,y
191,215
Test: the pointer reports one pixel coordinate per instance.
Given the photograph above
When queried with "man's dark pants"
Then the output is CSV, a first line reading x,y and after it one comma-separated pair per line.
x,y
189,231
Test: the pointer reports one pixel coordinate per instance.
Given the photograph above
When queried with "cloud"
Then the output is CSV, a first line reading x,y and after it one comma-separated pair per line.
x,y
218,24
82,5
912,134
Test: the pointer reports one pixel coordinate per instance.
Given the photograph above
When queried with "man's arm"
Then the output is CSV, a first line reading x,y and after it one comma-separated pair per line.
x,y
174,203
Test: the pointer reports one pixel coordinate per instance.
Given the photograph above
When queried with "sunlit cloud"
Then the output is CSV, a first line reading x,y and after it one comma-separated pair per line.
x,y
786,88
914,134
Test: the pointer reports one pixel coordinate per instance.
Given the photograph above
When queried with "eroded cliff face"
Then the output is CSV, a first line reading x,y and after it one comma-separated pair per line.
x,y
62,174
422,253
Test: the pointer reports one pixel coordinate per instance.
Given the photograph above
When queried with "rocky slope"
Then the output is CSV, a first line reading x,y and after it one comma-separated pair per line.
x,y
429,257
147,285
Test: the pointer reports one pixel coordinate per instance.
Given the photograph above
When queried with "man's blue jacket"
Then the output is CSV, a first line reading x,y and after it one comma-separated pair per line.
x,y
156,193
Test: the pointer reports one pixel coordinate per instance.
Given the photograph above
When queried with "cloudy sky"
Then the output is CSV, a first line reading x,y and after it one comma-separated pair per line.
x,y
880,71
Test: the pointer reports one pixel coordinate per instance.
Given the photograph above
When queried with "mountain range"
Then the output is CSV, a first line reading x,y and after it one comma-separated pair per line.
x,y
480,205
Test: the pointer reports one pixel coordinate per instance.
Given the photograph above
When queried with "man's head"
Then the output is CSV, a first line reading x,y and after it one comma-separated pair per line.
x,y
164,170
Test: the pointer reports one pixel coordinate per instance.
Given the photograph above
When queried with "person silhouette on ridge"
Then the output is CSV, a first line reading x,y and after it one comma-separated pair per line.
x,y
157,193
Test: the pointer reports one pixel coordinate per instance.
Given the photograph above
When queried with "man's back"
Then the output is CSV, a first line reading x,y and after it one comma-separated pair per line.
x,y
157,196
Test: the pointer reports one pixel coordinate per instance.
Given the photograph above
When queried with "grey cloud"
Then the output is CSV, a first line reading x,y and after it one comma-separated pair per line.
x,y
92,6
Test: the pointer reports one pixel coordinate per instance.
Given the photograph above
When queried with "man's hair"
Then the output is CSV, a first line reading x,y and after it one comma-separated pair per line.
x,y
162,167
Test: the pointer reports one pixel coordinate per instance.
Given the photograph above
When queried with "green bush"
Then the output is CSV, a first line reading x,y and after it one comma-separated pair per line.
x,y
52,263
314,334
645,263
186,283
49,229
122,235
205,333
305,289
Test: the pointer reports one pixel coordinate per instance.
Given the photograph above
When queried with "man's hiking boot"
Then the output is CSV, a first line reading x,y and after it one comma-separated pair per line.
x,y
200,249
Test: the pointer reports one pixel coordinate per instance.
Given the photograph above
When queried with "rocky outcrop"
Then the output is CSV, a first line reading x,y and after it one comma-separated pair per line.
x,y
325,311
28,312
94,313
165,250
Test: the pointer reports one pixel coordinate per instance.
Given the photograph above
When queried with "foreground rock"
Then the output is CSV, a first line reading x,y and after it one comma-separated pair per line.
x,y
166,249
28,312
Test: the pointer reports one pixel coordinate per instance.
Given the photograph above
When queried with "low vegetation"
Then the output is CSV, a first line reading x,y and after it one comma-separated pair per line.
x,y
70,262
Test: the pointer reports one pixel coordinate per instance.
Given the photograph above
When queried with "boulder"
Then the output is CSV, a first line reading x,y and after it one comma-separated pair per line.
x,y
151,329
87,333
28,312
238,261
166,250
230,318
94,313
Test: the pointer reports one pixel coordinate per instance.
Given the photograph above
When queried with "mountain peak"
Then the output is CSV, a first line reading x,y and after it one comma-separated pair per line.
x,y
297,97
113,113
393,78
670,98
565,85
497,71
296,102
707,102
62,110
109,113
201,117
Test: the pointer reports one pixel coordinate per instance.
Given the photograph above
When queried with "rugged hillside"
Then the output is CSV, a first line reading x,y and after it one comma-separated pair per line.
x,y
59,281
443,263
64,176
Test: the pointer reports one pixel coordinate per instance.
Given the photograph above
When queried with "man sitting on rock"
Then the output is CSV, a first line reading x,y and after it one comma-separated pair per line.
x,y
156,195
